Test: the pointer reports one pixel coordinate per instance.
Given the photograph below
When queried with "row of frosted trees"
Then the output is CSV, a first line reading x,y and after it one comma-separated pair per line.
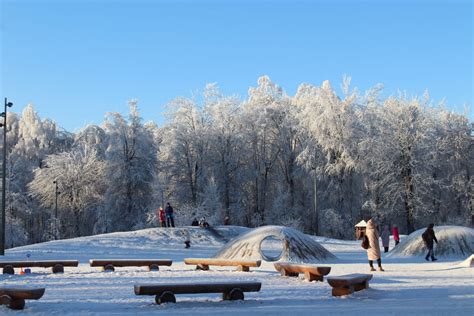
x,y
315,161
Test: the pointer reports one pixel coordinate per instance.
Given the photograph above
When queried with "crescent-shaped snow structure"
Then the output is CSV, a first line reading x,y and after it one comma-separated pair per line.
x,y
297,247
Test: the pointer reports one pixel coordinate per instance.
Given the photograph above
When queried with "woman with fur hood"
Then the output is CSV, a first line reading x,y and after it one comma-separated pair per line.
x,y
373,252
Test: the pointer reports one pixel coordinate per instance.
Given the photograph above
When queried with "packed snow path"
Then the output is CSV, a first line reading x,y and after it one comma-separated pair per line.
x,y
408,286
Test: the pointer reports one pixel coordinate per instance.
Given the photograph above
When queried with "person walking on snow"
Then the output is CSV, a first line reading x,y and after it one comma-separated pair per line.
x,y
161,214
428,238
373,252
395,234
169,215
385,235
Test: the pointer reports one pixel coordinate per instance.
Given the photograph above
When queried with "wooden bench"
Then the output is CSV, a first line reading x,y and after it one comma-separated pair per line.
x,y
165,293
56,265
204,263
347,284
15,297
110,264
311,272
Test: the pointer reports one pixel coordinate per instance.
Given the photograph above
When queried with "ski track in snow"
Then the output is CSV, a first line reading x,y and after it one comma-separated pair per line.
x,y
409,286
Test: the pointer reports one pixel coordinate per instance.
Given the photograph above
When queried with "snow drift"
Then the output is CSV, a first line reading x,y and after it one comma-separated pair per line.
x,y
297,247
468,263
453,241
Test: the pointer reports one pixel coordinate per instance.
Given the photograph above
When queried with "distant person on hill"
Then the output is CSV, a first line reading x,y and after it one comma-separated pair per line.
x,y
162,217
385,235
395,234
187,239
203,223
373,252
429,238
169,215
226,220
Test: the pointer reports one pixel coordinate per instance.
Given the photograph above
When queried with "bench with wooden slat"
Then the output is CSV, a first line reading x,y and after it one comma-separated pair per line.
x,y
347,284
165,293
56,265
110,264
15,298
311,272
204,263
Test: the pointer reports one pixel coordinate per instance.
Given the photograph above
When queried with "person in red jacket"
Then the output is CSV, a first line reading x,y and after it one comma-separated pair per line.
x,y
161,214
395,234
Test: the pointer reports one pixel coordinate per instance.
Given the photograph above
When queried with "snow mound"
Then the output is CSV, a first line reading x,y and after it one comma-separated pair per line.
x,y
453,241
469,262
297,247
146,243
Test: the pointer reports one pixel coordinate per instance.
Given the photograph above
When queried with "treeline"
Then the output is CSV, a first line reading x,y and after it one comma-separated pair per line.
x,y
315,161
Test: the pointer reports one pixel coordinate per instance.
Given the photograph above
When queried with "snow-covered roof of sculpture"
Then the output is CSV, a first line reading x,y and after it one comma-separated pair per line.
x,y
453,241
362,223
297,247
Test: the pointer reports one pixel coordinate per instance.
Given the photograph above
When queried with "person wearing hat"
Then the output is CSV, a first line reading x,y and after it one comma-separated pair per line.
x,y
429,238
373,251
161,215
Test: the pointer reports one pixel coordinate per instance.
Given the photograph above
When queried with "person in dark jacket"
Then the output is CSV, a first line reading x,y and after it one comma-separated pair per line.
x,y
169,215
429,238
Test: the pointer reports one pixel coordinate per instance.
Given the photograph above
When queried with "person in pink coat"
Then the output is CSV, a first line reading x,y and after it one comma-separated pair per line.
x,y
373,252
395,234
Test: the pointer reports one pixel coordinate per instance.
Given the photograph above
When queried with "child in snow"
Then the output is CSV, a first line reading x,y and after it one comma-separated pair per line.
x,y
428,238
373,252
385,238
395,234
187,239
161,214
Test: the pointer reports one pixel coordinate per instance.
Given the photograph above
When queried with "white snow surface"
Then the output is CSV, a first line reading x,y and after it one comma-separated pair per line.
x,y
409,286
453,241
296,246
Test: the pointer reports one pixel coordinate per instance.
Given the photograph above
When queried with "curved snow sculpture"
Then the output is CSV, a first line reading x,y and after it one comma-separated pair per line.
x,y
453,241
297,247
271,248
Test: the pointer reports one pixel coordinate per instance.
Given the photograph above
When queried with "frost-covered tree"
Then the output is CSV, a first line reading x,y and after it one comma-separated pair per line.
x,y
131,165
399,159
262,149
30,139
225,148
453,160
329,126
81,181
183,149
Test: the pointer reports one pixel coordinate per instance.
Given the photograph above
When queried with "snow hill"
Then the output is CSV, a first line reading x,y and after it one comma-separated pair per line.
x,y
409,286
146,243
453,241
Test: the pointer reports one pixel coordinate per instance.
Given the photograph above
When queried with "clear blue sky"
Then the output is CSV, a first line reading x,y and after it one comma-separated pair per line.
x,y
77,60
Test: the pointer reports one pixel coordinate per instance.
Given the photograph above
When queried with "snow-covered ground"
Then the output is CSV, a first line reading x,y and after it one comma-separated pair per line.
x,y
408,286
